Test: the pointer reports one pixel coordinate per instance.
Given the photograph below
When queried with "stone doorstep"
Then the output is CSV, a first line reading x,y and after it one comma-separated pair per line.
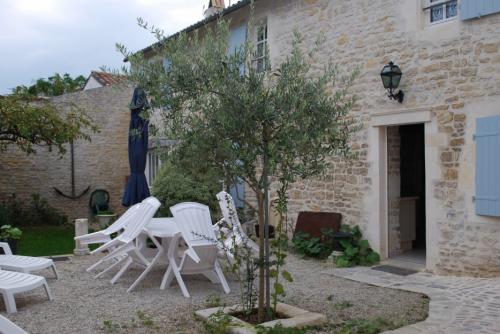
x,y
297,317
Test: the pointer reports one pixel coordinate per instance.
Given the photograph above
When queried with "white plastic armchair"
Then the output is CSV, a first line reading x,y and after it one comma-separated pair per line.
x,y
8,327
234,235
123,248
195,226
101,237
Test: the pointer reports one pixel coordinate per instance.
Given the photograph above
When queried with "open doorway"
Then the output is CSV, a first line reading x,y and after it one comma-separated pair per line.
x,y
406,193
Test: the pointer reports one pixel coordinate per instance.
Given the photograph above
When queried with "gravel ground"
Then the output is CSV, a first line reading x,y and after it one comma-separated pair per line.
x,y
84,305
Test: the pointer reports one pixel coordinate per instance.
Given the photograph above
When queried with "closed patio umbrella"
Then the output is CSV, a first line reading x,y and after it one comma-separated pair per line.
x,y
137,187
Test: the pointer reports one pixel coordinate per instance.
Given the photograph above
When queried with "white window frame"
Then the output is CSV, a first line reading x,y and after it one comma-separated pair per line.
x,y
442,3
264,56
152,169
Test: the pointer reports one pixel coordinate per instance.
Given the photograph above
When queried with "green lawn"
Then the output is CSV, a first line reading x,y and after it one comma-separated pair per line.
x,y
46,240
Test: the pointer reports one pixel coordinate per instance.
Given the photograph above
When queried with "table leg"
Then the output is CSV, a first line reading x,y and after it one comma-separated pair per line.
x,y
159,254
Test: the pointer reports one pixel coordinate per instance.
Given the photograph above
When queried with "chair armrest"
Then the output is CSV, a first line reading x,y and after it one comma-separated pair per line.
x,y
6,248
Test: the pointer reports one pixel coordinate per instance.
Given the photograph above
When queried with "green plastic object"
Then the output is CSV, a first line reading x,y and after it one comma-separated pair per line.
x,y
99,200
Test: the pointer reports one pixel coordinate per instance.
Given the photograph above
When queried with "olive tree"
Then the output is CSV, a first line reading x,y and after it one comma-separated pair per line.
x,y
27,122
280,124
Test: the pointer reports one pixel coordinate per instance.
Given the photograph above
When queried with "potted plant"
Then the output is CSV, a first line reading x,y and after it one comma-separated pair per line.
x,y
11,235
104,218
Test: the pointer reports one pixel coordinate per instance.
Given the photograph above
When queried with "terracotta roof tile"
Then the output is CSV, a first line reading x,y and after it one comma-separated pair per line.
x,y
106,79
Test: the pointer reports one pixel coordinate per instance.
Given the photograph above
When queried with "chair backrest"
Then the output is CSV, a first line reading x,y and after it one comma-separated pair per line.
x,y
194,222
228,209
140,218
124,219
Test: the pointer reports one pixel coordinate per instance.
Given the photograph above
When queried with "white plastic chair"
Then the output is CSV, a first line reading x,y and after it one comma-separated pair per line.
x,y
8,327
195,225
13,282
234,234
24,264
124,248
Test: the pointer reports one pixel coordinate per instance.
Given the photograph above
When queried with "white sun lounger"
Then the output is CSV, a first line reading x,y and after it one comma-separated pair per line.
x,y
24,264
104,236
8,327
12,283
124,249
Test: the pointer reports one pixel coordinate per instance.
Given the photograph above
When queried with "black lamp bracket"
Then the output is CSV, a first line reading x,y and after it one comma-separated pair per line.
x,y
399,96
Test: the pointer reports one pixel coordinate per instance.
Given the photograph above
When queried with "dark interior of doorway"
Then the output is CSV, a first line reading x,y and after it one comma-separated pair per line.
x,y
412,168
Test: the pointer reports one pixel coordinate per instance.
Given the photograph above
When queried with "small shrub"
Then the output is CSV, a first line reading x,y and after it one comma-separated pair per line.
x,y
218,323
317,247
8,232
364,326
343,305
357,251
108,326
175,184
146,320
279,329
37,213
213,301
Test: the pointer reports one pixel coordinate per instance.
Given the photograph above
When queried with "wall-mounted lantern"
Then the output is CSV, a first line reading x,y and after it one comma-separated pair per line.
x,y
391,76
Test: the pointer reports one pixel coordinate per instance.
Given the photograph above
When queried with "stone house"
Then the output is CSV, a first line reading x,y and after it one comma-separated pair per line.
x,y
426,183
99,164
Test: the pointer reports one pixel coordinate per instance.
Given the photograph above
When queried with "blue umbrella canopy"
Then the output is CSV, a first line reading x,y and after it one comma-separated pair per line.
x,y
137,187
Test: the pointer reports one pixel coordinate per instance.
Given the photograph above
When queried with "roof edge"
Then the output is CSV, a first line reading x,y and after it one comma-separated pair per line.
x,y
239,5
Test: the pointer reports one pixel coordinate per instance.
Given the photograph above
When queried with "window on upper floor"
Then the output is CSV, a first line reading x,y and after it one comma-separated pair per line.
x,y
442,10
261,48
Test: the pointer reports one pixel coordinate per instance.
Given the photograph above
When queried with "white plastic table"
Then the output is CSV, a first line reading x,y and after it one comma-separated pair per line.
x,y
164,233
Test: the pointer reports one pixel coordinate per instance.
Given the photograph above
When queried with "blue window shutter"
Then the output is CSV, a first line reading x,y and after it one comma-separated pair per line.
x,y
488,166
471,9
237,38
237,192
167,64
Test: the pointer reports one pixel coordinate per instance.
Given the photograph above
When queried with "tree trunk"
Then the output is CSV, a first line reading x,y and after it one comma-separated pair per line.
x,y
266,238
260,202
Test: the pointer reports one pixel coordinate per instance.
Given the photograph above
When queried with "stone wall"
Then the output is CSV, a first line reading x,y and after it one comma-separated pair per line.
x,y
451,71
393,188
100,164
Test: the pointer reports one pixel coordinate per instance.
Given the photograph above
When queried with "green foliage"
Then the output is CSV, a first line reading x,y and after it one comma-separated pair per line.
x,y
175,184
105,213
37,213
8,232
108,326
279,329
317,247
53,86
213,301
47,240
364,326
146,320
142,321
218,323
284,122
343,305
28,121
357,251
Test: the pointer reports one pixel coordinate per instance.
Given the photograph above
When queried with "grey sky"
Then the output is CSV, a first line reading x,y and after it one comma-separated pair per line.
x,y
41,37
